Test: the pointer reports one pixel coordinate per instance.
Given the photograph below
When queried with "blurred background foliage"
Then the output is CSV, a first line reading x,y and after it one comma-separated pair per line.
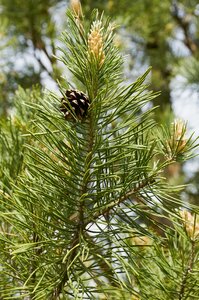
x,y
161,34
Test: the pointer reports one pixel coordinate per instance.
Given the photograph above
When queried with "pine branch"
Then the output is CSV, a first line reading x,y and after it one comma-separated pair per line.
x,y
81,219
184,24
105,211
187,271
78,169
65,276
42,64
104,266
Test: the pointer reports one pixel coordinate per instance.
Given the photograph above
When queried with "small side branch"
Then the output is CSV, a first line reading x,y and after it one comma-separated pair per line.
x,y
105,210
187,271
104,266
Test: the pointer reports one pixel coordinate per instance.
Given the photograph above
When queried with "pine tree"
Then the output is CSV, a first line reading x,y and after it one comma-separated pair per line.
x,y
28,33
85,210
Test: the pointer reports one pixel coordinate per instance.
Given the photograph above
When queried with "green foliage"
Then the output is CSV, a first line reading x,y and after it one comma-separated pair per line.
x,y
152,27
75,194
152,30
168,270
28,35
29,18
12,141
190,72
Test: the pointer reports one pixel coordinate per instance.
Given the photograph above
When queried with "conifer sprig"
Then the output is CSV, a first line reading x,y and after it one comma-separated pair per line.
x,y
90,184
